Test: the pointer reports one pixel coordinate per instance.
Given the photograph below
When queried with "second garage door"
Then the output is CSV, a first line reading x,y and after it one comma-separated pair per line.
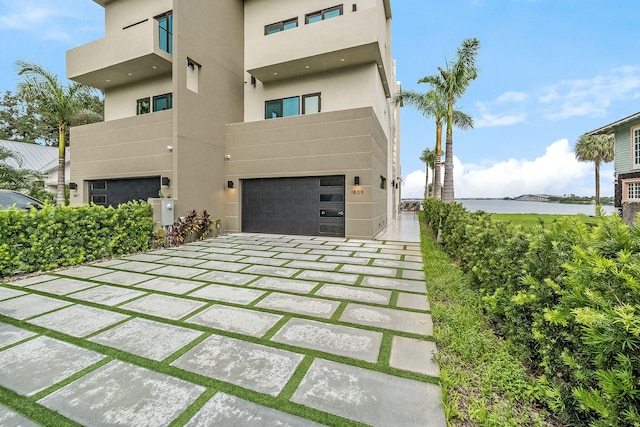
x,y
310,206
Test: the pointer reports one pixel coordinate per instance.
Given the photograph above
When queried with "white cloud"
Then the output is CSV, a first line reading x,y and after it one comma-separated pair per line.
x,y
512,96
413,185
555,172
589,97
487,118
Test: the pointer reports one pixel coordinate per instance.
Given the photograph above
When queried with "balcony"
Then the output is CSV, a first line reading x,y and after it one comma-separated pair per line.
x,y
354,38
130,56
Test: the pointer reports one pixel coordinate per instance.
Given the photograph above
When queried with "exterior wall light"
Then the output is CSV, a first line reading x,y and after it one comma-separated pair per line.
x,y
73,186
356,180
165,180
229,184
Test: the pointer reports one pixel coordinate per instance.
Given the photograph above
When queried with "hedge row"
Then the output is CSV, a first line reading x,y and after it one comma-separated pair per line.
x,y
567,296
45,239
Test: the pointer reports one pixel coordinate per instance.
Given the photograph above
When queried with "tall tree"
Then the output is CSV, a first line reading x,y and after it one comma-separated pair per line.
x,y
18,120
62,104
597,149
13,177
451,83
428,156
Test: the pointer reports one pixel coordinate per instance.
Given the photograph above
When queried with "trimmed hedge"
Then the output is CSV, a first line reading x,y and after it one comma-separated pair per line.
x,y
567,296
45,239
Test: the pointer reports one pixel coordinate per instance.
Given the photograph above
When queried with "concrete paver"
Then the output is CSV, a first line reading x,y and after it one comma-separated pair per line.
x,y
370,397
39,363
253,366
123,394
227,410
240,313
147,338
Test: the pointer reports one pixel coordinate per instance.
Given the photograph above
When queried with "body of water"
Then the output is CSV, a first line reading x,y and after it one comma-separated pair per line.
x,y
518,206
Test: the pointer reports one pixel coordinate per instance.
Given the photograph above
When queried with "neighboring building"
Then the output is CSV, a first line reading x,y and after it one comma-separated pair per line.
x,y
626,163
273,114
39,158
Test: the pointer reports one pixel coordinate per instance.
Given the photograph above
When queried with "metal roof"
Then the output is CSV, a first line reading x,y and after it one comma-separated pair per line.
x,y
611,126
35,157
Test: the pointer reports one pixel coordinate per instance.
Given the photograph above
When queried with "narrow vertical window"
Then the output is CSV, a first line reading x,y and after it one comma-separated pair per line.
x,y
311,103
165,30
144,106
636,147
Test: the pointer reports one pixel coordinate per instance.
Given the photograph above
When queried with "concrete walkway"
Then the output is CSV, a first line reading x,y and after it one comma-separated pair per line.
x,y
406,228
244,329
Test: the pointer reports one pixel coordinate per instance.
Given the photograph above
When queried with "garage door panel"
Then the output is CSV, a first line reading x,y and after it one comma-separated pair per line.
x,y
293,205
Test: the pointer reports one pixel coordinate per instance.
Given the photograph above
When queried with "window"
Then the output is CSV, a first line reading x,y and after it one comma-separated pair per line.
x,y
320,15
165,29
144,106
311,103
163,102
282,107
98,185
383,182
635,141
99,199
280,26
633,190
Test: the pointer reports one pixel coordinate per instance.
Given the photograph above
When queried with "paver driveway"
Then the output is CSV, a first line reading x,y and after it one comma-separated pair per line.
x,y
245,329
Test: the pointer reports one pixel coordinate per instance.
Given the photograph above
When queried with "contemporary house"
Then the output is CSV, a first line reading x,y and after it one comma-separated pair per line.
x,y
275,115
41,159
626,132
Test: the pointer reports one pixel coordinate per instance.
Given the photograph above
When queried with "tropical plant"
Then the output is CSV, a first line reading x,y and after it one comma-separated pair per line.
x,y
428,156
451,83
13,178
597,149
63,104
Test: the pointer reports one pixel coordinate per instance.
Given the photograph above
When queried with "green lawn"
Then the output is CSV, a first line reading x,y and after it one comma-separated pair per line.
x,y
529,220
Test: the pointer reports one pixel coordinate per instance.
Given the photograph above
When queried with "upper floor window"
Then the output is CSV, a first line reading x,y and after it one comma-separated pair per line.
x,y
144,106
320,15
163,102
291,106
280,26
282,107
635,146
165,29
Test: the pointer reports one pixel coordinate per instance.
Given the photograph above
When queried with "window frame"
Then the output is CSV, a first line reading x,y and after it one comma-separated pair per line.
x,y
635,147
95,187
139,104
168,39
311,95
281,26
168,96
323,14
281,101
626,188
94,196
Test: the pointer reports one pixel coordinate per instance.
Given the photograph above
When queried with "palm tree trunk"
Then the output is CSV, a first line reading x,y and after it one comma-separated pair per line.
x,y
447,191
437,178
426,180
597,183
60,199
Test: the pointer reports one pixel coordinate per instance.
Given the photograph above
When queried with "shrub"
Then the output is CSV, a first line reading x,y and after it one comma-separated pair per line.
x,y
53,237
567,296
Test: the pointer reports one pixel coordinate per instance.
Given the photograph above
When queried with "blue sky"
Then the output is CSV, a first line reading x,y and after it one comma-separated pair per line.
x,y
550,70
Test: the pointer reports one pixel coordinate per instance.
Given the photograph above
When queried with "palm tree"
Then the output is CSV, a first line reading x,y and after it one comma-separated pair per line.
x,y
428,156
597,149
12,178
451,83
62,104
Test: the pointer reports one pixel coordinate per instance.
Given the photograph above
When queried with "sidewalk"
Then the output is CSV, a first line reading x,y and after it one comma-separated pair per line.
x,y
406,228
245,329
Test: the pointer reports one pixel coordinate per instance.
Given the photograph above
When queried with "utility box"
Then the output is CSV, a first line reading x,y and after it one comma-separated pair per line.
x,y
167,209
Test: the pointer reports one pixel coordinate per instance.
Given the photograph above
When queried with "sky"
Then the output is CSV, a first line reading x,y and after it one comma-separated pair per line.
x,y
549,70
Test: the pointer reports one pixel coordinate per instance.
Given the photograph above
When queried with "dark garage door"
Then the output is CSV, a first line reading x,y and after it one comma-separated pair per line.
x,y
310,206
112,192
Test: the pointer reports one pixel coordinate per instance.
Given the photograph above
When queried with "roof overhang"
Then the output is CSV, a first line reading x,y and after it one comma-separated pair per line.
x,y
611,126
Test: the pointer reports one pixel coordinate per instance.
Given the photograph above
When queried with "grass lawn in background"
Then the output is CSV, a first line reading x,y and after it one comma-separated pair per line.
x,y
530,220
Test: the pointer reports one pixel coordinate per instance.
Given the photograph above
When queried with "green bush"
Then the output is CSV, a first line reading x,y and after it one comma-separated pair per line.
x,y
567,296
53,237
